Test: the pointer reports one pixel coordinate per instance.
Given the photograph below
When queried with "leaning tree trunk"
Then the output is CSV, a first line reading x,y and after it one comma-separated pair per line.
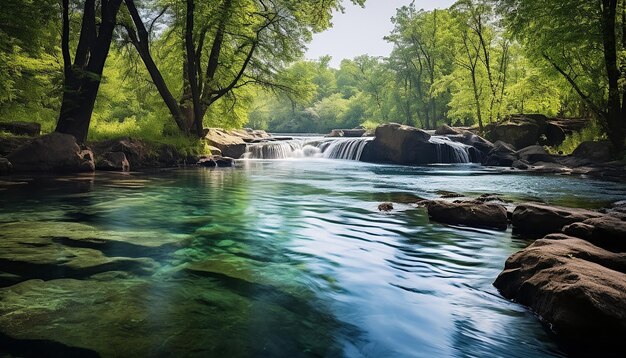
x,y
82,78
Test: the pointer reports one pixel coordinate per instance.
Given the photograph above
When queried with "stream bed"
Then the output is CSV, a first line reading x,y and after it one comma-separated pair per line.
x,y
282,258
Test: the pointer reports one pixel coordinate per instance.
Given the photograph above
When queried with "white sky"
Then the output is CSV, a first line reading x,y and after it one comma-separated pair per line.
x,y
360,31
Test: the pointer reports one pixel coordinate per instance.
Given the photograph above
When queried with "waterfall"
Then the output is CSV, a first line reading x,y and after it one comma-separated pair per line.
x,y
445,150
348,149
293,148
312,147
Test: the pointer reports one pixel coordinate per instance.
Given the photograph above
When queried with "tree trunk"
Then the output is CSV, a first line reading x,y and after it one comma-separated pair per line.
x,y
614,115
82,79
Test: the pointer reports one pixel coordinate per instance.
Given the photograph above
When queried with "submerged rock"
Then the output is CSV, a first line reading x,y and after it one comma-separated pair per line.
x,y
54,152
385,207
576,287
468,213
540,220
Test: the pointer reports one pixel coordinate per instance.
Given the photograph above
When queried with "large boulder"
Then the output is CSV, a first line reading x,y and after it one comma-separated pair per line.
x,y
54,152
555,134
537,219
230,145
519,130
579,289
502,155
400,144
8,144
534,154
608,232
594,152
470,213
112,161
138,153
32,129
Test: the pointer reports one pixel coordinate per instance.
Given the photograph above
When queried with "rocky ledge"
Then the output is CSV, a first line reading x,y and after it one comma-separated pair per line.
x,y
573,277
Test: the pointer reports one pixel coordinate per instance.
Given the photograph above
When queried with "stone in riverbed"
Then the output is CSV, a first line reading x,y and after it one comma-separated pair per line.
x,y
536,219
216,161
385,207
468,213
54,152
578,288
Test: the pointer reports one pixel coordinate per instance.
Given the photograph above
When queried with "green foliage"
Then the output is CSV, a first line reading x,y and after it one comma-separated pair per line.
x,y
593,132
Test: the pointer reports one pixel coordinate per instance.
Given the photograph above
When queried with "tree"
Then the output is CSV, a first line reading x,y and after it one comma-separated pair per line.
x,y
82,76
580,40
241,42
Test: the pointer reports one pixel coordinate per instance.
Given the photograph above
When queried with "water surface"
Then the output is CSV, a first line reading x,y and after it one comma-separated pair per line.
x,y
271,258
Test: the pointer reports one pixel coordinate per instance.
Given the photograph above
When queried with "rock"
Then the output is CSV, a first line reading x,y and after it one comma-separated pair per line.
x,y
216,161
469,213
501,155
555,134
478,142
608,232
400,144
54,152
8,144
579,289
32,129
520,164
5,166
519,130
535,153
335,133
113,161
536,219
385,207
445,194
447,130
231,146
594,152
354,133
550,168
215,150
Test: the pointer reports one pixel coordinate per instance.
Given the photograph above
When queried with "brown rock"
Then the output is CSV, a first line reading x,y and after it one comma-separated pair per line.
x,y
540,219
230,145
385,207
608,232
54,152
578,288
469,213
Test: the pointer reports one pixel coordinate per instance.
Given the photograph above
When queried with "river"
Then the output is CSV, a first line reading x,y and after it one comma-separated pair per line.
x,y
271,258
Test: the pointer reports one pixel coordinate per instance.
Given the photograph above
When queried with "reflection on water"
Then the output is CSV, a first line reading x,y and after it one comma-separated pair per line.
x,y
280,258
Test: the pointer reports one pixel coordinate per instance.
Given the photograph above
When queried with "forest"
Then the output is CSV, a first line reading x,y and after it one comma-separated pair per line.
x,y
168,68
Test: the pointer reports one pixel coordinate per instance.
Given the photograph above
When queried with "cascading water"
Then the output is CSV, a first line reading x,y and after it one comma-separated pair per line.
x,y
346,149
311,147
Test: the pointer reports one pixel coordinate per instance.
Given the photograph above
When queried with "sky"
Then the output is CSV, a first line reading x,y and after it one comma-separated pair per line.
x,y
360,31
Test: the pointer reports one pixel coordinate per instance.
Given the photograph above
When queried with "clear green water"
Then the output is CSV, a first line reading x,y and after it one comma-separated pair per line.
x,y
272,258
